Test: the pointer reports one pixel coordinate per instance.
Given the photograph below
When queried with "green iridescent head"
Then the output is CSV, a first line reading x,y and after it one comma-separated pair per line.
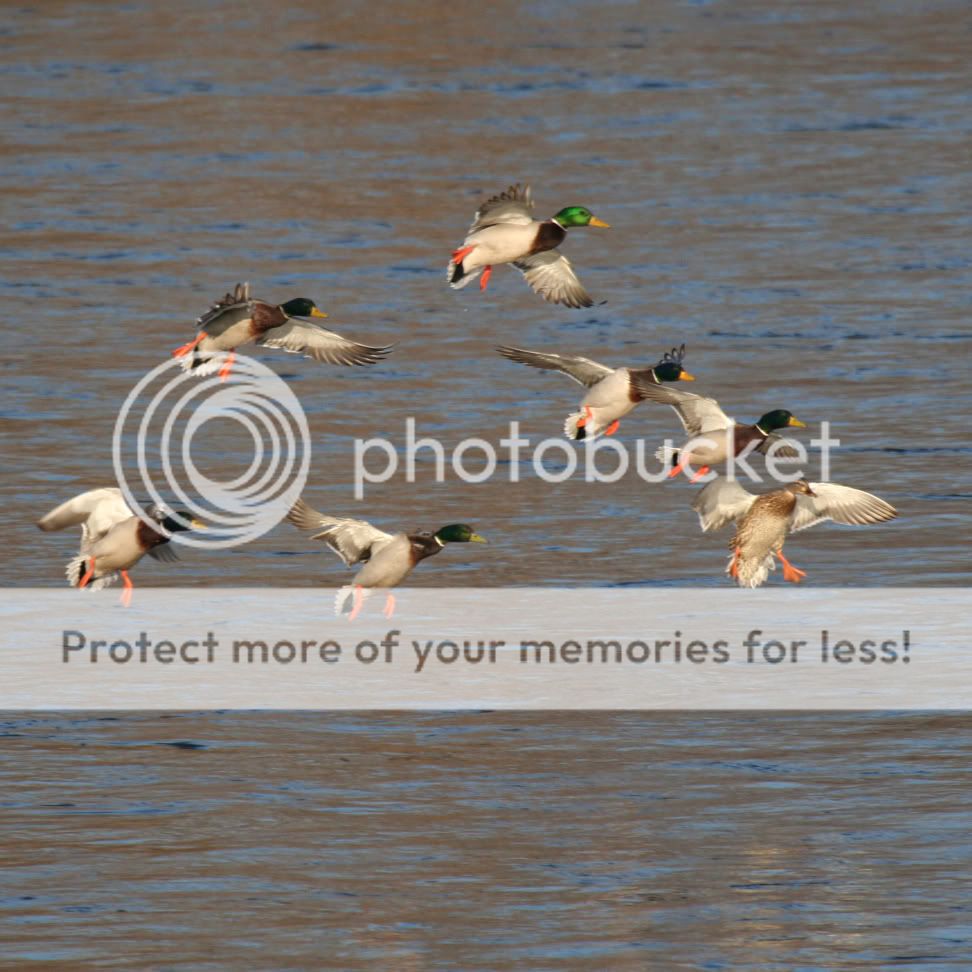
x,y
578,216
458,533
670,367
302,307
779,418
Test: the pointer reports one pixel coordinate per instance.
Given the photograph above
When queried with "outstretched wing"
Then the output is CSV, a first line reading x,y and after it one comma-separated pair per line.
x,y
842,504
698,414
299,336
96,511
354,541
550,274
720,502
584,370
782,447
227,311
514,205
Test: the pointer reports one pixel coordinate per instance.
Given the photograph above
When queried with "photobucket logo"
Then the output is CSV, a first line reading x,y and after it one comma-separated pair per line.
x,y
555,460
261,423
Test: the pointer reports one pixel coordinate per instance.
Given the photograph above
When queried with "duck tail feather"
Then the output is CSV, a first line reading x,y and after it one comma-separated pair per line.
x,y
752,572
667,455
77,567
457,276
574,430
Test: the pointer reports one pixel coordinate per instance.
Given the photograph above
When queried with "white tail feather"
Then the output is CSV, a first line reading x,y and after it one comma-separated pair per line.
x,y
207,366
751,572
344,599
76,568
666,455
570,424
464,280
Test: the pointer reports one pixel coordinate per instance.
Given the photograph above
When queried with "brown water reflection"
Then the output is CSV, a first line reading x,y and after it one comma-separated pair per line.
x,y
480,840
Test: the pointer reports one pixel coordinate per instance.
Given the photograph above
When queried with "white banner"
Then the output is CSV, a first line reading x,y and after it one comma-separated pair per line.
x,y
510,648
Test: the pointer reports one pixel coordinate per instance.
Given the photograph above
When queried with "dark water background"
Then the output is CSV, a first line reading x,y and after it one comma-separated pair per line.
x,y
788,190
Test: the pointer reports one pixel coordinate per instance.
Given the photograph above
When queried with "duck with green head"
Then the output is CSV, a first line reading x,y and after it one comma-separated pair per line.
x,y
714,436
239,318
611,392
388,558
505,231
114,538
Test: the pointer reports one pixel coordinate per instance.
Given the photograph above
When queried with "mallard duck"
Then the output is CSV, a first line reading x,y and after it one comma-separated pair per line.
x,y
388,557
504,231
713,435
613,392
764,522
113,538
238,319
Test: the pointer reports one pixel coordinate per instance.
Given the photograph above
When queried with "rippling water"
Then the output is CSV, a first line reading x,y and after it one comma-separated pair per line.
x,y
786,186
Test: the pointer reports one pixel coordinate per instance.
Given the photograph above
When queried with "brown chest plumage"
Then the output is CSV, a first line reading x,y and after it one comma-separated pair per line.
x,y
549,236
147,537
423,545
768,514
744,435
265,317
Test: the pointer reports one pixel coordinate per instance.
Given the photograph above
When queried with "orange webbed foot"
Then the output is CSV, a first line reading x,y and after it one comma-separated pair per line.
x,y
184,349
791,573
484,279
459,255
126,594
89,573
734,565
389,609
613,427
586,417
227,367
704,471
358,601
675,470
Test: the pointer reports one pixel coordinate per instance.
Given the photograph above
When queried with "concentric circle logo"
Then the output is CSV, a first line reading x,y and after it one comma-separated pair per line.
x,y
234,454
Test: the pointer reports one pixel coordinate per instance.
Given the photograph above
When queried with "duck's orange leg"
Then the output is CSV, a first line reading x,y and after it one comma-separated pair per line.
x,y
227,367
613,427
182,351
389,608
358,601
484,279
586,417
704,471
86,578
734,564
790,573
676,469
126,594
459,255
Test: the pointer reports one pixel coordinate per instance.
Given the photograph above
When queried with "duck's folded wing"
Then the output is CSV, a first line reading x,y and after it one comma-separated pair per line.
x,y
697,413
302,337
354,541
550,274
584,370
782,447
227,311
842,504
163,553
96,511
720,502
514,205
